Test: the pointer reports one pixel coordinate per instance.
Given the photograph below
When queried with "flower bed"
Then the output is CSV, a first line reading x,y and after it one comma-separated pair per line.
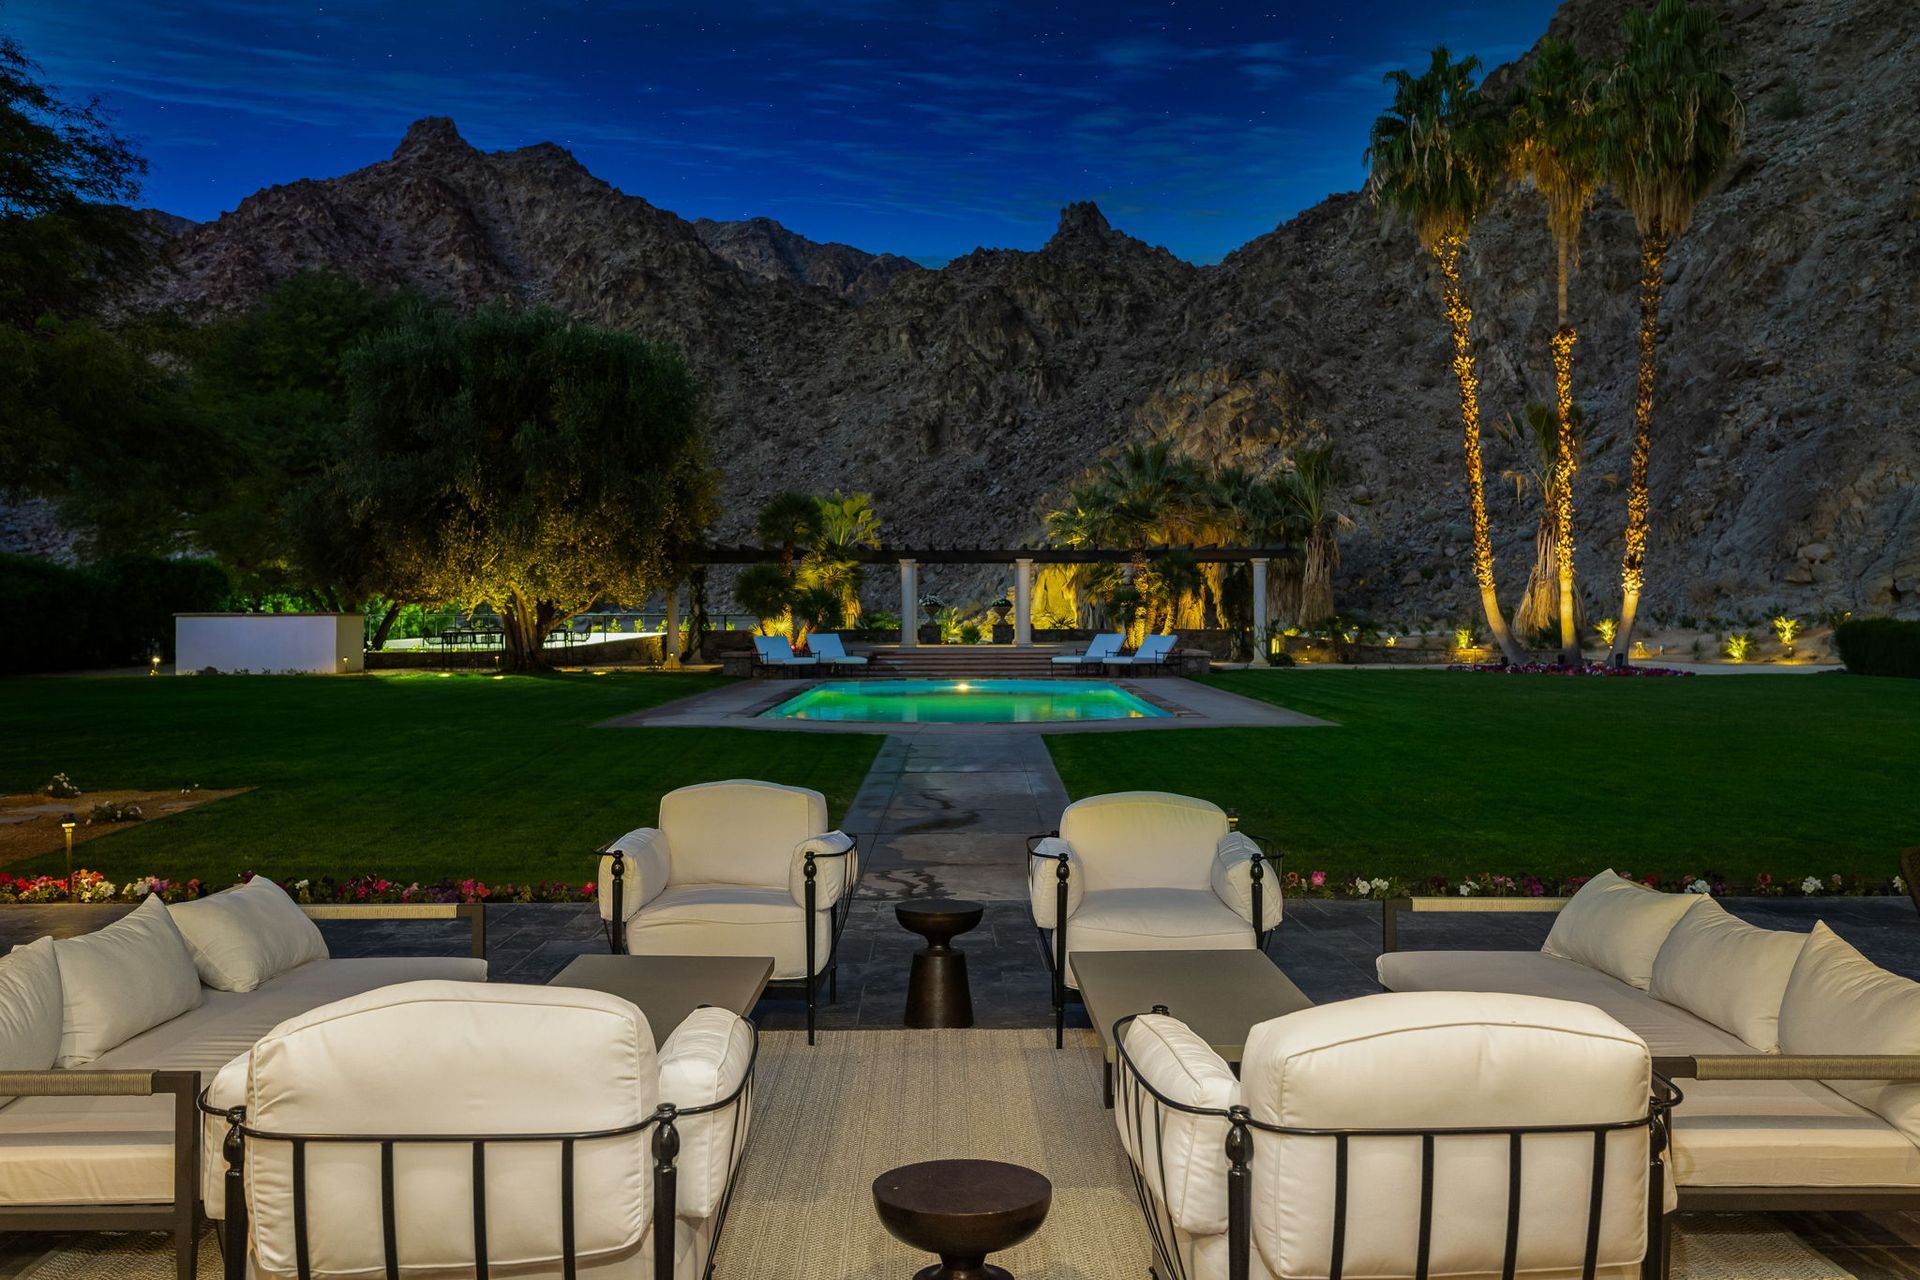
x,y
1322,884
90,886
1555,669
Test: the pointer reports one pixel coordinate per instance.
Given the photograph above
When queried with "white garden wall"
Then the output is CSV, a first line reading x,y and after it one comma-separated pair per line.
x,y
269,643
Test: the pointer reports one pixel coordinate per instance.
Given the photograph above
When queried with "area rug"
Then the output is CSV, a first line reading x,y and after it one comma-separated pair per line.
x,y
833,1117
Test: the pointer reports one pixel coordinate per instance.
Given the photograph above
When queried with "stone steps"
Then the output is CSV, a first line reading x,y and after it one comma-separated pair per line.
x,y
982,662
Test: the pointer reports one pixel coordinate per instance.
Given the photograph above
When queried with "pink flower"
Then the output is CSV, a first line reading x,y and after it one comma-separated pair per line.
x,y
1319,879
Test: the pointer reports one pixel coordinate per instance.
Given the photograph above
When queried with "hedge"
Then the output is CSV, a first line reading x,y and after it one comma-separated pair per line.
x,y
114,613
1879,646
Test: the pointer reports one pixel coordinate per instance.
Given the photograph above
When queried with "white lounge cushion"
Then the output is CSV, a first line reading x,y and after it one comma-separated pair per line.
x,y
30,1008
1617,926
1154,920
645,869
242,936
118,981
730,920
480,1058
740,831
1233,880
704,1060
1182,1154
1840,1002
1143,839
1729,972
1445,1060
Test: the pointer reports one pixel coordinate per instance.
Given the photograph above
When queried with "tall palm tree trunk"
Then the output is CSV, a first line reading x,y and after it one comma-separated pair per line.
x,y
1539,608
1460,318
1561,490
1633,558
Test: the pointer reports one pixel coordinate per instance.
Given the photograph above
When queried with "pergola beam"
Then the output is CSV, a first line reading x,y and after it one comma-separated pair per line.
x,y
1004,555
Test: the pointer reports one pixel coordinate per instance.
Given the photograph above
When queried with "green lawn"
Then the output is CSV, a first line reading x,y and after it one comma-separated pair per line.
x,y
414,777
1436,773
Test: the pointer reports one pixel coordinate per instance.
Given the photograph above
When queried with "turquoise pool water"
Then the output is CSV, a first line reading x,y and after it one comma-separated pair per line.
x,y
964,702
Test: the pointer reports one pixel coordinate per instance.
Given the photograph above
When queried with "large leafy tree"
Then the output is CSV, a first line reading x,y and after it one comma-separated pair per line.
x,y
1554,143
1436,157
521,459
1671,123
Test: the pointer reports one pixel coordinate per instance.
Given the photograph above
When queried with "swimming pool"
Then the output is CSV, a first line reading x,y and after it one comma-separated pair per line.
x,y
965,702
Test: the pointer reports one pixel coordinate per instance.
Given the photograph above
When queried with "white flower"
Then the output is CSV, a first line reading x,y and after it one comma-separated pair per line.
x,y
1811,885
1699,886
142,888
1466,891
1362,887
300,884
1899,885
1379,885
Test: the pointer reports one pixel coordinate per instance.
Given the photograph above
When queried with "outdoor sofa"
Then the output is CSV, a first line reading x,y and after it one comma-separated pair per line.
x,y
106,1040
1464,1135
1799,1058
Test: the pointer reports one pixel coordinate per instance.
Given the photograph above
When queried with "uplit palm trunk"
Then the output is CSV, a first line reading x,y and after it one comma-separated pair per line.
x,y
1539,608
1460,318
1561,490
1316,576
1633,558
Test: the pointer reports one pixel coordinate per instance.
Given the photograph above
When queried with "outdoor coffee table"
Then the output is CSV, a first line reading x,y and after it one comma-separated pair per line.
x,y
668,988
1220,995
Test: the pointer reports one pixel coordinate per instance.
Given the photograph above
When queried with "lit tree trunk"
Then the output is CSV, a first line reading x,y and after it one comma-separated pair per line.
x,y
1316,576
1539,607
1633,558
1460,319
1561,490
387,619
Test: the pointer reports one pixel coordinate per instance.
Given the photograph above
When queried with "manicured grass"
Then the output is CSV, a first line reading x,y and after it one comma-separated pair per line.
x,y
414,777
1439,773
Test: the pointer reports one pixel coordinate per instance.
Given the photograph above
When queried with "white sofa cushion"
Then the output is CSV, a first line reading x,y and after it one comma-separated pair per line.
x,y
1182,1155
731,920
1840,1002
1729,972
31,1010
1445,1060
704,1060
1143,839
1153,920
242,936
740,831
479,1059
118,981
1617,926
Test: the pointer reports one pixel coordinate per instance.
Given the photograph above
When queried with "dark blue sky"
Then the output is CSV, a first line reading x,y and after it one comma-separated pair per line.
x,y
925,129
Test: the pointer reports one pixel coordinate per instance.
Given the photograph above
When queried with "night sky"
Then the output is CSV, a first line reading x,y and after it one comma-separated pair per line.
x,y
925,129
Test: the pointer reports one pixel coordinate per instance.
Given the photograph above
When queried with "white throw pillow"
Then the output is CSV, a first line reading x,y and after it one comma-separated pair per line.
x,y
241,937
1733,974
1840,1002
29,1009
120,980
1617,926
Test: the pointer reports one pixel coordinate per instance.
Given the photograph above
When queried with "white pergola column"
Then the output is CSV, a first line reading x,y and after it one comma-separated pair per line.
x,y
909,604
1023,604
670,639
1260,611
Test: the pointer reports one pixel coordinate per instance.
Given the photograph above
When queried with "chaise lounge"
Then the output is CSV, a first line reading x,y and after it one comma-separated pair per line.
x,y
1102,646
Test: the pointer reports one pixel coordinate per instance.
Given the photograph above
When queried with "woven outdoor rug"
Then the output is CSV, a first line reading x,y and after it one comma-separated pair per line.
x,y
831,1118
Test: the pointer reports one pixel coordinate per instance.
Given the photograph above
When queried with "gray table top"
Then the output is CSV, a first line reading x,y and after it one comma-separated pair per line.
x,y
1220,995
668,988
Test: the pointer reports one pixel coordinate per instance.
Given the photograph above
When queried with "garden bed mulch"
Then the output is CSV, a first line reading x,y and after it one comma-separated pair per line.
x,y
30,824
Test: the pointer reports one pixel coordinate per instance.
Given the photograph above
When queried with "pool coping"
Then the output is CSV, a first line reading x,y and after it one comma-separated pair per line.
x,y
1189,706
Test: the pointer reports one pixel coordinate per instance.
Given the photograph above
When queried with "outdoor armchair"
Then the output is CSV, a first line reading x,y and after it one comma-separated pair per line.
x,y
1145,871
445,1128
1104,645
738,868
827,647
1442,1133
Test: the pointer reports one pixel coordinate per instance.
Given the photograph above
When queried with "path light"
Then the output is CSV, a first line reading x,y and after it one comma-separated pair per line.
x,y
153,665
67,825
1233,819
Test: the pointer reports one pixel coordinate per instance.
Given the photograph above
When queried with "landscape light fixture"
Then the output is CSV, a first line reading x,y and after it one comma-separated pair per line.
x,y
67,824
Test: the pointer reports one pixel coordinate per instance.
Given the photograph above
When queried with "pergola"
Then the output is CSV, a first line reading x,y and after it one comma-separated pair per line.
x,y
910,558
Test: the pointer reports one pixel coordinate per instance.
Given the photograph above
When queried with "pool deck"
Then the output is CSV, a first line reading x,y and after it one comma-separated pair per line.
x,y
1191,706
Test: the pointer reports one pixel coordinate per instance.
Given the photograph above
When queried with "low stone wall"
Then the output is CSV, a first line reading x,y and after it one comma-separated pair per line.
x,y
635,651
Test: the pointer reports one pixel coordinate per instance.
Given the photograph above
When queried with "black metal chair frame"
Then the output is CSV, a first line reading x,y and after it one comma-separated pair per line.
x,y
1910,872
840,913
666,1149
1239,1153
1056,957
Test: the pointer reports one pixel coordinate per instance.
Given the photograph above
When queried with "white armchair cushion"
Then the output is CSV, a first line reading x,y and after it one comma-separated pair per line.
x,y
836,867
452,1057
1143,839
1433,1060
1731,973
739,832
118,981
645,869
1043,882
1617,927
1233,880
704,1060
1840,1002
1186,1155
242,936
30,1009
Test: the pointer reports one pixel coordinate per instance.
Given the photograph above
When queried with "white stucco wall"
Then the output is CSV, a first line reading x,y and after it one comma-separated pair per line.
x,y
269,643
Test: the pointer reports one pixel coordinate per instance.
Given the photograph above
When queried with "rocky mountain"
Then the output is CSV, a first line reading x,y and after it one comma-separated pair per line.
x,y
1786,469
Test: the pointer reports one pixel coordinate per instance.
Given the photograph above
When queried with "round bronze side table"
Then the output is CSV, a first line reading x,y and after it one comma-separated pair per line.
x,y
937,991
962,1210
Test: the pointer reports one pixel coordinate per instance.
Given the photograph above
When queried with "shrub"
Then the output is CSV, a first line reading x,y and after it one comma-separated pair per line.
x,y
109,614
1879,646
969,633
1739,646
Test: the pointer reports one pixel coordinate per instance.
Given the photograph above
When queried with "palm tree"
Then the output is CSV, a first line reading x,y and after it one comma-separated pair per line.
x,y
1308,490
1535,438
789,521
1670,125
1553,142
1435,163
848,523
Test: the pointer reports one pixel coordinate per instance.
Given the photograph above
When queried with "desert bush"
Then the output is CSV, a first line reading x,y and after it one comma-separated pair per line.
x,y
1879,646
